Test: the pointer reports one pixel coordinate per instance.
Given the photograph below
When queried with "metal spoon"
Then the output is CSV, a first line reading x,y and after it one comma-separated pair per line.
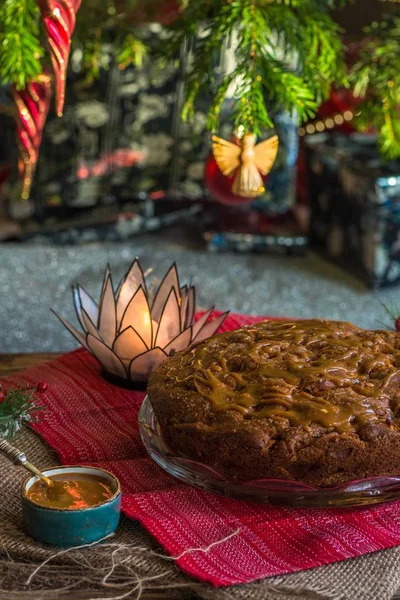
x,y
19,458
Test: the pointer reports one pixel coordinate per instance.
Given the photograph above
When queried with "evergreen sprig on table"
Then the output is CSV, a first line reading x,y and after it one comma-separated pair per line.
x,y
18,406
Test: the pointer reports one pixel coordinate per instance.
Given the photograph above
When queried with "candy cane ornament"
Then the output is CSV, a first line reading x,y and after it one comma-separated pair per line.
x,y
33,105
59,17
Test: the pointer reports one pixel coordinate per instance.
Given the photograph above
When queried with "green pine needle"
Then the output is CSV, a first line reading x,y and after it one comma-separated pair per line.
x,y
393,313
376,78
18,407
20,47
288,52
287,55
132,52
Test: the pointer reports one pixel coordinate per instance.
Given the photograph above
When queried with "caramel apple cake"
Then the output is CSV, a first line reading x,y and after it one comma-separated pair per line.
x,y
315,401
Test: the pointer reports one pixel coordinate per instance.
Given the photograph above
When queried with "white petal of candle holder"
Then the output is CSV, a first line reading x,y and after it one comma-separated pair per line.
x,y
142,366
88,304
170,281
77,334
169,326
184,299
107,274
107,314
201,321
78,305
181,342
137,315
106,357
129,344
133,280
210,328
191,306
89,326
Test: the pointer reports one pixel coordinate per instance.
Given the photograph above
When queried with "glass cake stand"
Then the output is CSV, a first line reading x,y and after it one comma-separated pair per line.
x,y
268,491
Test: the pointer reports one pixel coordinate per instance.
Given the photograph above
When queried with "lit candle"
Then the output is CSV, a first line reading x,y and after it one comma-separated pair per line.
x,y
129,334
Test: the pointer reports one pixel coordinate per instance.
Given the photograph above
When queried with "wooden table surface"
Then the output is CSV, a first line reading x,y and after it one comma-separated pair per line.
x,y
12,363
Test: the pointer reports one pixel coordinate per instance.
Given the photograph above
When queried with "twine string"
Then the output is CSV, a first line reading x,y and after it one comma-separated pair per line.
x,y
132,585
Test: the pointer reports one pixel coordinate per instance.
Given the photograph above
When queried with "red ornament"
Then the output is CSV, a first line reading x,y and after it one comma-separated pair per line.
x,y
397,324
32,108
2,396
41,387
59,18
220,186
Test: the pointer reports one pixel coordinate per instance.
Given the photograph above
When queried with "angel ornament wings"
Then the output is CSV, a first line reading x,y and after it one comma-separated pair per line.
x,y
249,160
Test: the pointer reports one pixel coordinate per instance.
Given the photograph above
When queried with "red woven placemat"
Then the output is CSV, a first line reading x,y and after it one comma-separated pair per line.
x,y
93,422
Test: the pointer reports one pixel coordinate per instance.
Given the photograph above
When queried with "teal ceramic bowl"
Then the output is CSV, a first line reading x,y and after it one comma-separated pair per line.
x,y
66,527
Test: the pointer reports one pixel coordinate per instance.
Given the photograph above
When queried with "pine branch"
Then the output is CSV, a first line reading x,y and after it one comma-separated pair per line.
x,y
17,407
287,53
93,57
112,27
20,49
376,78
132,52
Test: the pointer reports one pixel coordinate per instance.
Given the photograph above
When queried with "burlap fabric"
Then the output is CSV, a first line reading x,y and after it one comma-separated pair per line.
x,y
131,565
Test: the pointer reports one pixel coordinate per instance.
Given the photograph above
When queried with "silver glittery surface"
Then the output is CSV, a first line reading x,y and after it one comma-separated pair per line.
x,y
34,278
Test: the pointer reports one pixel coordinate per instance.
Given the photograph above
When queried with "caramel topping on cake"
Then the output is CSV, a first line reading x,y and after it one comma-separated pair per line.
x,y
313,401
288,369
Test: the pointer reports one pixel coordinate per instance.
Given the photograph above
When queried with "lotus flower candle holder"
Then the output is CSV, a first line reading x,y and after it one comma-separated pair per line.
x,y
131,331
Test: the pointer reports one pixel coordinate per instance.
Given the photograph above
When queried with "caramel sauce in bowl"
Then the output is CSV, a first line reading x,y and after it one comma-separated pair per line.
x,y
72,492
82,506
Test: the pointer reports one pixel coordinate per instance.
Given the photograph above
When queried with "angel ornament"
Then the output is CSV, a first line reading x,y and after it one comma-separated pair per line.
x,y
249,160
